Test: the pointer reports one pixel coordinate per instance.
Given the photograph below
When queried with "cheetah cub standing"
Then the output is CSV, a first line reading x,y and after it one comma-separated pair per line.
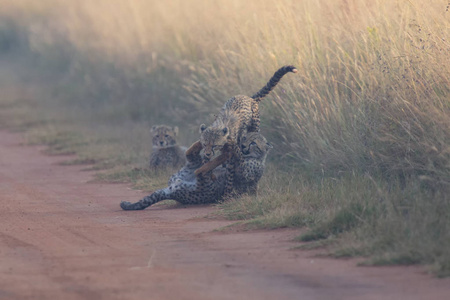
x,y
239,115
166,153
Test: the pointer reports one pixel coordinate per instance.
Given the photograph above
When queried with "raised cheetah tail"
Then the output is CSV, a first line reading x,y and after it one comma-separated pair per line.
x,y
273,82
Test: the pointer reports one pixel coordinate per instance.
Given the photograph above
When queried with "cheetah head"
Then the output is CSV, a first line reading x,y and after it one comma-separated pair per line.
x,y
163,136
213,139
255,145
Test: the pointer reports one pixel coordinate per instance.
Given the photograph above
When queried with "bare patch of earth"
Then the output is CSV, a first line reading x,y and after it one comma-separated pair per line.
x,y
64,238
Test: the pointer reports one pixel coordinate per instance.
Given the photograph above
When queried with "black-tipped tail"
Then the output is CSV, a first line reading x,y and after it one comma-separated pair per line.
x,y
273,82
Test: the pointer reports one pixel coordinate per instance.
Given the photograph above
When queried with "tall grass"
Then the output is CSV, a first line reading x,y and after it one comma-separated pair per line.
x,y
372,91
370,100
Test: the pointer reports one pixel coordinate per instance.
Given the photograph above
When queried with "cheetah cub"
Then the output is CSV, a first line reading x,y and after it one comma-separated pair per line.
x,y
166,153
248,164
238,115
187,188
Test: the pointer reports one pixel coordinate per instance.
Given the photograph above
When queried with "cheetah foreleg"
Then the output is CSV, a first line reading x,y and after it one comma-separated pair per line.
x,y
193,151
211,165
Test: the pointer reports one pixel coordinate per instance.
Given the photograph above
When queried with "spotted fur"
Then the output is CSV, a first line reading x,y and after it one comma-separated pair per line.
x,y
252,162
239,115
244,167
166,153
184,186
188,188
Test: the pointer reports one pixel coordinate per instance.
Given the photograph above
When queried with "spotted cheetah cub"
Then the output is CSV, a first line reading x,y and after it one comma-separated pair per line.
x,y
239,115
248,163
166,153
187,188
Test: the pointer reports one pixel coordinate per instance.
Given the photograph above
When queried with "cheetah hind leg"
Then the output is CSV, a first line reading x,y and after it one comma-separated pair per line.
x,y
145,202
231,170
229,188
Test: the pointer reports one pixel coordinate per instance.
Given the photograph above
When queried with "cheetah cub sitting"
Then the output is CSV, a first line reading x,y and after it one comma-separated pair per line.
x,y
166,153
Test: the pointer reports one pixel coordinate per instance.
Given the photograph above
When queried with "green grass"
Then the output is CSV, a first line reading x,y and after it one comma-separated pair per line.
x,y
361,132
389,223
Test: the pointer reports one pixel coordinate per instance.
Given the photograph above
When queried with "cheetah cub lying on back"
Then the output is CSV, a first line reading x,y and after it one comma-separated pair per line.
x,y
166,153
188,188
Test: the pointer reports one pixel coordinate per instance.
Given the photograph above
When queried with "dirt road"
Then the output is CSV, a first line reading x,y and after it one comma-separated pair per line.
x,y
64,238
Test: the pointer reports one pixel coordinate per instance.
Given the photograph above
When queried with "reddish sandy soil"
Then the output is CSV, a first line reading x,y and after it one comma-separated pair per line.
x,y
64,238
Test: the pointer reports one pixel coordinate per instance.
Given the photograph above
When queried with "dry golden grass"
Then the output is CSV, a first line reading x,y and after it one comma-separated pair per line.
x,y
367,116
372,91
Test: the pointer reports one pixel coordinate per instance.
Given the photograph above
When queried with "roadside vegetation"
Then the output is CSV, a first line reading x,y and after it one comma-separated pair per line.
x,y
361,132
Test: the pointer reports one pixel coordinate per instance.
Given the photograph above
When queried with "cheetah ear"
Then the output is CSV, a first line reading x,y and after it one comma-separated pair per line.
x,y
202,128
225,131
153,128
175,130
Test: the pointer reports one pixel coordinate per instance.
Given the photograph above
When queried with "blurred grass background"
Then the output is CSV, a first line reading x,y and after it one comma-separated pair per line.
x,y
361,132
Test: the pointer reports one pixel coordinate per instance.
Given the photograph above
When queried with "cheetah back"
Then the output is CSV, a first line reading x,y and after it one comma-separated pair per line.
x,y
239,114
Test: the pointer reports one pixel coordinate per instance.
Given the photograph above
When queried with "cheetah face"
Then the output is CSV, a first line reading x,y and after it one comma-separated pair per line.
x,y
213,139
253,144
163,136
